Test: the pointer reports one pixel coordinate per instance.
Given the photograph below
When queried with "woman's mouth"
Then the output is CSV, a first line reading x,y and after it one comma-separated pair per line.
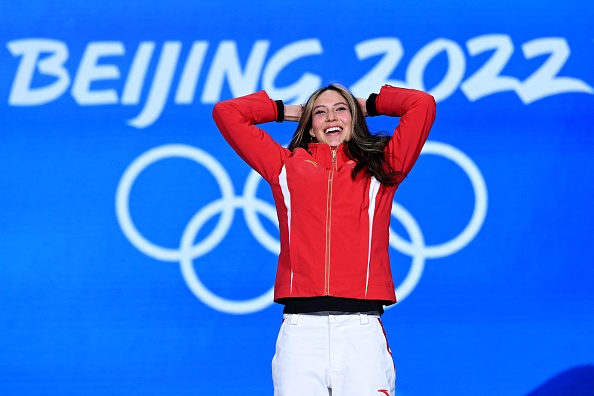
x,y
333,130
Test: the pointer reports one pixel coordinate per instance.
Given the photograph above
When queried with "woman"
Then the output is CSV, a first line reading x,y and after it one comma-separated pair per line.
x,y
333,188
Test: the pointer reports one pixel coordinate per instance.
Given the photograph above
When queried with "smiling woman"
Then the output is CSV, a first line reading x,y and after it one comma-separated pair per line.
x,y
333,186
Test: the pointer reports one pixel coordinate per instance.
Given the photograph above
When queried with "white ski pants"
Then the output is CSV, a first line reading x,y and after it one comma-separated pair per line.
x,y
333,353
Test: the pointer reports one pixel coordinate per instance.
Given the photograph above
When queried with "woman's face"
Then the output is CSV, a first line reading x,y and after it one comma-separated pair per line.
x,y
331,119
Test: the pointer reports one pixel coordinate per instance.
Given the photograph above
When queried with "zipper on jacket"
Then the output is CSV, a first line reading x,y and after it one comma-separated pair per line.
x,y
329,223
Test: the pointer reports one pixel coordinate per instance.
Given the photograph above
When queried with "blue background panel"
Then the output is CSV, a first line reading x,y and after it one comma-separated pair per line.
x,y
116,278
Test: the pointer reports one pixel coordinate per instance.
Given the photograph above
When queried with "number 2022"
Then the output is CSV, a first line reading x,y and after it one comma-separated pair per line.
x,y
487,80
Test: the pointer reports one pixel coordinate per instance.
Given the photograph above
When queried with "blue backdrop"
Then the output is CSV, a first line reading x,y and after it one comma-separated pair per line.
x,y
138,251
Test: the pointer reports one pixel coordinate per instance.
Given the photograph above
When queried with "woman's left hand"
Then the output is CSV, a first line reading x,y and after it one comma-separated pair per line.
x,y
363,105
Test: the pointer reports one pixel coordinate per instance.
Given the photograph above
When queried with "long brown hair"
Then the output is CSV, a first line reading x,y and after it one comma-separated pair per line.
x,y
365,149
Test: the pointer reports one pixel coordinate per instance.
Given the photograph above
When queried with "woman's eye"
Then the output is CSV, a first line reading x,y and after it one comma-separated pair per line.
x,y
341,108
319,112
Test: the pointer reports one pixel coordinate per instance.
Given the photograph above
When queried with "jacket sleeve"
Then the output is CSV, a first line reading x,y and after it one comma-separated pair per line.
x,y
416,110
237,119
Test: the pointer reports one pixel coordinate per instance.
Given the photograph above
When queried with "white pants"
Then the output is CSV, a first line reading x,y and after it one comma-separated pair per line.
x,y
328,353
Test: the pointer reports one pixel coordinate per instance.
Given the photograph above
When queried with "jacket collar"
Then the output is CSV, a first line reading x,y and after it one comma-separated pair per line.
x,y
323,155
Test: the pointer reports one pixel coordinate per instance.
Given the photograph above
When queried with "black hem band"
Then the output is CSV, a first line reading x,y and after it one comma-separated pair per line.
x,y
321,304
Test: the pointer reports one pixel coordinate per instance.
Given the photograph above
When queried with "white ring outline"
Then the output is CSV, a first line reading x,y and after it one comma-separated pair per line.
x,y
480,205
189,273
157,154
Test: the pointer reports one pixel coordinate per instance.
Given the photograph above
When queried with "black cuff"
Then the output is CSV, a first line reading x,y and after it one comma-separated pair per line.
x,y
280,110
370,105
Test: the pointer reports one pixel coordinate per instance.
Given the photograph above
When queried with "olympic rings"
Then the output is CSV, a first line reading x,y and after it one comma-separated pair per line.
x,y
190,250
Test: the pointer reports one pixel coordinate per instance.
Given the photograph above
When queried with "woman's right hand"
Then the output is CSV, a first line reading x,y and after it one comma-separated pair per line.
x,y
293,112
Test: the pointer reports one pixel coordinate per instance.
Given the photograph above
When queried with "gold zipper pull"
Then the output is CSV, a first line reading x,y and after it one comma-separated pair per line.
x,y
333,155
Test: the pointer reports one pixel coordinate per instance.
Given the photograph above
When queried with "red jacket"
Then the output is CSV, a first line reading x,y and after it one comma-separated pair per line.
x,y
334,231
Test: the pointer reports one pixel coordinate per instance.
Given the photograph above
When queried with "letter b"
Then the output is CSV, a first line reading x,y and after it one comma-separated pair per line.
x,y
22,94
